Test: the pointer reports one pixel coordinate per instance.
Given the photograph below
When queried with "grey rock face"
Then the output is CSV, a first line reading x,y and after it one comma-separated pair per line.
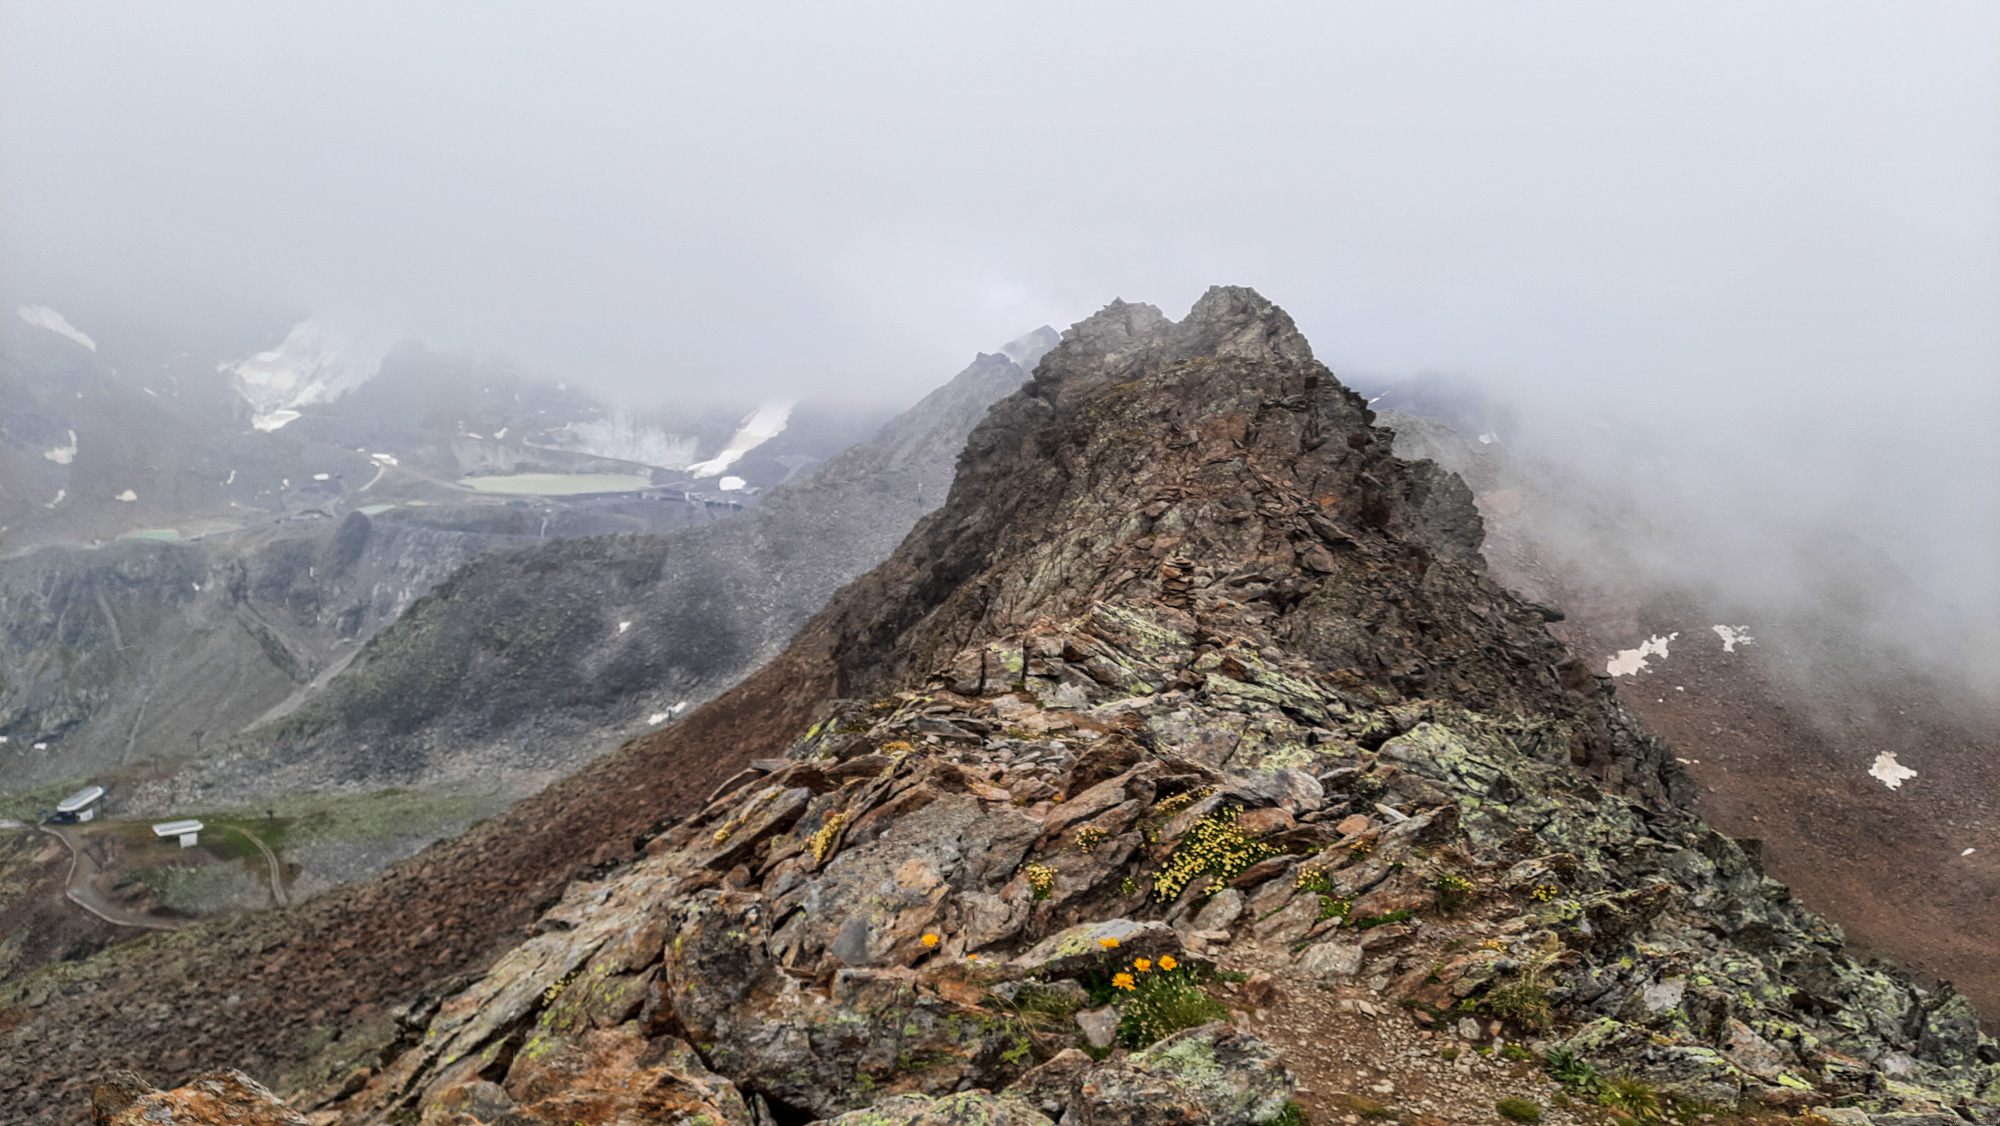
x,y
1330,959
1100,1026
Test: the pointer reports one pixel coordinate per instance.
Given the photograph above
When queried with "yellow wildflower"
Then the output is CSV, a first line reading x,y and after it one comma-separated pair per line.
x,y
1167,962
930,940
1123,981
1143,965
1108,943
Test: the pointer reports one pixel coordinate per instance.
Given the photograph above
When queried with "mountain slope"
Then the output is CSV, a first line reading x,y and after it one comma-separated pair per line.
x,y
1188,671
1783,689
524,663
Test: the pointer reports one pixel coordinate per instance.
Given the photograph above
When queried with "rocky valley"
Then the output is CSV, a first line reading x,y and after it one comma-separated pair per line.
x,y
1187,765
236,675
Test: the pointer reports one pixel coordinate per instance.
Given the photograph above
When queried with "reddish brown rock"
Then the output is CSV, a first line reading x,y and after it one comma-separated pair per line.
x,y
218,1098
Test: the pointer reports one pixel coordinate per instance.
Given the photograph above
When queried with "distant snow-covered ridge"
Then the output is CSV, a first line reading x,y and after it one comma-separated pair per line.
x,y
41,316
316,363
763,424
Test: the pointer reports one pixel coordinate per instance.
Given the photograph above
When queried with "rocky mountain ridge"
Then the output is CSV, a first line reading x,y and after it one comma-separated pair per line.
x,y
1190,677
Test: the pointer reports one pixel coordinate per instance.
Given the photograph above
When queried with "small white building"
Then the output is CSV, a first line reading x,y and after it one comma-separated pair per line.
x,y
188,831
82,803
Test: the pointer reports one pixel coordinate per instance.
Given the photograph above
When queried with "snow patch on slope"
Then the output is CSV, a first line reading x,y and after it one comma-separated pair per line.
x,y
1889,772
63,455
763,424
1732,636
1630,661
41,316
317,363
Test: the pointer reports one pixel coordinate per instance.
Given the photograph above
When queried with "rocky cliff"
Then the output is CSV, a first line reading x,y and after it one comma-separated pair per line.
x,y
1186,766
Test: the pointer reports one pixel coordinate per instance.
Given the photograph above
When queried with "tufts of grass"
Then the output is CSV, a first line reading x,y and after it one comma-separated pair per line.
x,y
1518,1110
1363,1107
1453,891
1632,1098
1524,999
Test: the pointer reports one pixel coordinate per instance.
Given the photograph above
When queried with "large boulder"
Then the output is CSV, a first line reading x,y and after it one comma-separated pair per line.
x,y
218,1098
1213,1074
1089,946
968,1108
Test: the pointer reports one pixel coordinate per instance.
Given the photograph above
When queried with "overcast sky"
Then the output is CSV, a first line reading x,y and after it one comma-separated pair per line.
x,y
1781,218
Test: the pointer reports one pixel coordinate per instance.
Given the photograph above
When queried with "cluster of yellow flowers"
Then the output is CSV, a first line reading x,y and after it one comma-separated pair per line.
x,y
1170,806
1215,847
822,841
1310,878
1127,981
730,826
1041,880
1543,893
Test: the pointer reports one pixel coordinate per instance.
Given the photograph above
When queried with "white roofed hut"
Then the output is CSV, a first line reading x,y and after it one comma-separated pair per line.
x,y
189,831
82,804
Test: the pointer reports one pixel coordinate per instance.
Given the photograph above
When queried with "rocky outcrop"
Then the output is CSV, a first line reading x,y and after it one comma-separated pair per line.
x,y
1190,697
1137,711
222,1098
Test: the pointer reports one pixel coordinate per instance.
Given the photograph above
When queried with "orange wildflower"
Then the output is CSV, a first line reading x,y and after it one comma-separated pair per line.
x,y
1123,981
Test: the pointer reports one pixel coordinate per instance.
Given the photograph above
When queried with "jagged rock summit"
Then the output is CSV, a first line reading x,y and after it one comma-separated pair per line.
x,y
1184,767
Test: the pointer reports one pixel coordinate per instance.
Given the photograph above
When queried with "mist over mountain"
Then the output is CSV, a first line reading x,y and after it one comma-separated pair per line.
x,y
1190,676
505,621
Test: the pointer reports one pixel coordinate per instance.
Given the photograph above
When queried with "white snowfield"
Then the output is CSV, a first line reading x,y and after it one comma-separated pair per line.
x,y
63,455
1630,661
316,363
41,316
764,424
1890,772
1732,636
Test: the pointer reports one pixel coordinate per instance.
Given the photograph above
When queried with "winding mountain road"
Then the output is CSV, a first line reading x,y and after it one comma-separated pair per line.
x,y
270,858
82,889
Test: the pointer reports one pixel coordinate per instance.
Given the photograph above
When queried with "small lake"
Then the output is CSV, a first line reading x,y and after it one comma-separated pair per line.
x,y
559,484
